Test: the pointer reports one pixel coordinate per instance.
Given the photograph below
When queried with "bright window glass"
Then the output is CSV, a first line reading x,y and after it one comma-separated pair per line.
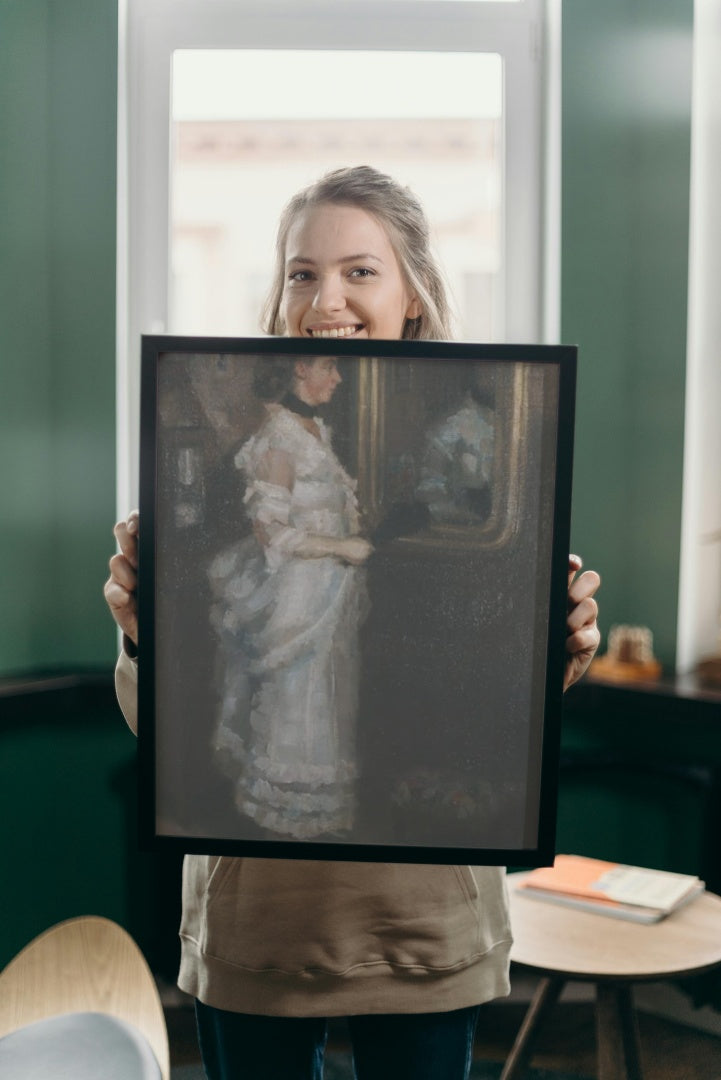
x,y
183,265
238,155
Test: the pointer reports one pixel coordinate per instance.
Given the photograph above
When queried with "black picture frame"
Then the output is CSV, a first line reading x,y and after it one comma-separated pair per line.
x,y
425,727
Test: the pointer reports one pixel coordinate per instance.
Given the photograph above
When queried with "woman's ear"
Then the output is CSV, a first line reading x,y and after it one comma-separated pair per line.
x,y
300,369
415,309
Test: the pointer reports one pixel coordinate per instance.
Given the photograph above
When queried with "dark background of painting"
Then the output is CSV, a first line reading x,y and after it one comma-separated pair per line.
x,y
454,646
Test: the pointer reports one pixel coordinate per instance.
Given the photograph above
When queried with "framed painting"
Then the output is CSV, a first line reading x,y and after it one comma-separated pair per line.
x,y
352,597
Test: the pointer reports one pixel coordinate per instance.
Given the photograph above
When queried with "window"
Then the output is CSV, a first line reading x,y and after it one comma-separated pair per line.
x,y
227,107
235,161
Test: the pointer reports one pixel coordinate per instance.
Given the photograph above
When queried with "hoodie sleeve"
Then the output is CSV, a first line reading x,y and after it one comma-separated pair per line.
x,y
126,688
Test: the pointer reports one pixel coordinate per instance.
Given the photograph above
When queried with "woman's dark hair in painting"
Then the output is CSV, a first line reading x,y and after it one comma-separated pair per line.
x,y
273,377
403,217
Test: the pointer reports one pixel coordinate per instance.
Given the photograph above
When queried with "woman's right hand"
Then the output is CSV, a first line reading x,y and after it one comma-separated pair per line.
x,y
355,550
351,549
121,587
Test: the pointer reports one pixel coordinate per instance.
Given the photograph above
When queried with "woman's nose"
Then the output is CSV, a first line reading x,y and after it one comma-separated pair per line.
x,y
329,295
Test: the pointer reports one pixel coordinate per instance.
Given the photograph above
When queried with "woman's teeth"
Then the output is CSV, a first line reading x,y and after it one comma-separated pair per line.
x,y
336,332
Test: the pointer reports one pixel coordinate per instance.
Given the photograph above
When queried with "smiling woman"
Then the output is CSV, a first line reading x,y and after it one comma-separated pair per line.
x,y
332,292
353,259
297,940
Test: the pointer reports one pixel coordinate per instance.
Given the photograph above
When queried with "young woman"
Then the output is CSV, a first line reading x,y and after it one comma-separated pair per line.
x,y
271,948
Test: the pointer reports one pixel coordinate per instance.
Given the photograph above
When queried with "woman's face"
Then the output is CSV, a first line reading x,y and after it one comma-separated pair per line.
x,y
342,277
315,380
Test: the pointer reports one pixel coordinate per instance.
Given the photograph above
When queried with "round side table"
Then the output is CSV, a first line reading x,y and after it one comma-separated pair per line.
x,y
563,944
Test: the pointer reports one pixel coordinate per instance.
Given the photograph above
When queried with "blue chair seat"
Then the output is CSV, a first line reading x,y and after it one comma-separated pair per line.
x,y
78,1046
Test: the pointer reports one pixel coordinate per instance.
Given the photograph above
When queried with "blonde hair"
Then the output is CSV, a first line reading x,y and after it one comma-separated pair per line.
x,y
403,217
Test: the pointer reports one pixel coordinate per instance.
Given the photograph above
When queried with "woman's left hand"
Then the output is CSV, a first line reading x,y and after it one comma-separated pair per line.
x,y
583,636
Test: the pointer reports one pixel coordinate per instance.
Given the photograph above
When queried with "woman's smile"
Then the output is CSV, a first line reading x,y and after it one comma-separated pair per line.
x,y
334,331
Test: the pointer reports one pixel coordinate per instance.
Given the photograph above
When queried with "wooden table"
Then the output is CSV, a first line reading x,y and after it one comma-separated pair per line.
x,y
563,944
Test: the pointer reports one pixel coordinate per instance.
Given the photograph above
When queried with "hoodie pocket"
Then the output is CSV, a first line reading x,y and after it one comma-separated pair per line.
x,y
468,884
295,916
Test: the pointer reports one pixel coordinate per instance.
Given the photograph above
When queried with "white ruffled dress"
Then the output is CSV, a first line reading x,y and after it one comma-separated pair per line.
x,y
288,631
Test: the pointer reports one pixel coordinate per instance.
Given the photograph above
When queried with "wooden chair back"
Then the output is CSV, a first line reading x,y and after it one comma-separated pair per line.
x,y
87,964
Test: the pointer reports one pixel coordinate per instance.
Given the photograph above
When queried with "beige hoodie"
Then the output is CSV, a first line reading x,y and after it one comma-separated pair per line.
x,y
283,937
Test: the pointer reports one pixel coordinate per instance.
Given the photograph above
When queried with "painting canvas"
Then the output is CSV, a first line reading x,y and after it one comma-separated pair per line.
x,y
352,605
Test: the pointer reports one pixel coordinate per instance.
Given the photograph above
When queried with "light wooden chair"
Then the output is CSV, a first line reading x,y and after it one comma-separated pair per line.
x,y
88,971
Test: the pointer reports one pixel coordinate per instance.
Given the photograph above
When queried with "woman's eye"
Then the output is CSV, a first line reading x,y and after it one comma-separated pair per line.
x,y
362,272
300,276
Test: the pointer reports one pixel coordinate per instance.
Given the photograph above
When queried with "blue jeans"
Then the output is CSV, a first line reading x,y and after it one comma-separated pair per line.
x,y
415,1046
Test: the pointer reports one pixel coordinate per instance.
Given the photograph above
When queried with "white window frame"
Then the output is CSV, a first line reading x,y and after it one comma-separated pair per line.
x,y
699,597
526,34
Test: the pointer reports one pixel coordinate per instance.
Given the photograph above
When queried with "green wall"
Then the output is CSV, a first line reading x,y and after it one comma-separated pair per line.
x,y
626,146
626,137
69,803
58,72
67,771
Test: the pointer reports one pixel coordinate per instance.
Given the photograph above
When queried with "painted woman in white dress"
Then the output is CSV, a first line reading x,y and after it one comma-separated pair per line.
x,y
289,601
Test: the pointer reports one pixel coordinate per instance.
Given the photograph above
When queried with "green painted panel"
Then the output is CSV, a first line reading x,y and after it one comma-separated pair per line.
x,y
642,779
626,161
65,785
82,272
58,80
68,784
25,401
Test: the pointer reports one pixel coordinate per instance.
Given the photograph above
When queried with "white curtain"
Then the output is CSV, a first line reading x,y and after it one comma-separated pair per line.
x,y
700,583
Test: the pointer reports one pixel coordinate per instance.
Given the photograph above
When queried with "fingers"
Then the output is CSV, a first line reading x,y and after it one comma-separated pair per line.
x,y
126,534
575,562
123,572
121,587
585,641
582,607
581,648
583,613
123,607
583,636
583,587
